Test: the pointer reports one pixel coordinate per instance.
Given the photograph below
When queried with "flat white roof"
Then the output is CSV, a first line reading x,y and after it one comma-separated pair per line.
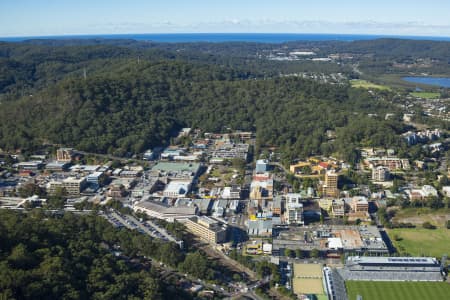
x,y
335,243
95,174
74,179
87,168
392,260
176,186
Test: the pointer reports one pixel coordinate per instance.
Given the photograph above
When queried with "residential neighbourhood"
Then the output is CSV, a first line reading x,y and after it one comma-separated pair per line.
x,y
312,210
237,150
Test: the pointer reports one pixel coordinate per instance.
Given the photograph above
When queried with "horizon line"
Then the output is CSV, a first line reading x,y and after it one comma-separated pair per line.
x,y
47,36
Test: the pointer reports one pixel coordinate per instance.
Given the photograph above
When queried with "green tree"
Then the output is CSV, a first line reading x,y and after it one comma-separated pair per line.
x,y
20,257
238,163
197,265
58,199
428,225
237,277
288,252
299,253
31,189
314,253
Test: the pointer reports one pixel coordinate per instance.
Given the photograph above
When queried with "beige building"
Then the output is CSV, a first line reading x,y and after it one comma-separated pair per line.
x,y
298,166
360,204
64,154
207,229
74,186
294,213
338,208
330,188
53,186
261,188
380,173
392,163
325,203
166,212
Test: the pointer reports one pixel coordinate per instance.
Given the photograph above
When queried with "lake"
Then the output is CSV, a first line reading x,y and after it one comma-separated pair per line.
x,y
436,81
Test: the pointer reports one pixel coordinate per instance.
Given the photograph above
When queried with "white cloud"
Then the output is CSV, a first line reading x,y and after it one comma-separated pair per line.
x,y
234,25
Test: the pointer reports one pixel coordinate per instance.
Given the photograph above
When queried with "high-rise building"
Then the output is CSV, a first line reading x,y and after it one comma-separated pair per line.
x,y
330,188
294,209
338,208
294,213
64,154
380,173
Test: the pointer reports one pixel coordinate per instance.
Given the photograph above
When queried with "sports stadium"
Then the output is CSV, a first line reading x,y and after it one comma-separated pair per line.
x,y
409,272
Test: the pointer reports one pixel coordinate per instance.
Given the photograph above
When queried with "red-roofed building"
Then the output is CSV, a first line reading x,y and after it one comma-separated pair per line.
x,y
261,177
25,173
324,165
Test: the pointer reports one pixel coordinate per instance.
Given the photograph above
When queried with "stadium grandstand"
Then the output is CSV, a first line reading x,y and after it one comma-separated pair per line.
x,y
367,268
334,285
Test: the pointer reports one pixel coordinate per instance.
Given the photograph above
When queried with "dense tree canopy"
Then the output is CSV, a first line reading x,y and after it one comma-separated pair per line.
x,y
126,106
73,257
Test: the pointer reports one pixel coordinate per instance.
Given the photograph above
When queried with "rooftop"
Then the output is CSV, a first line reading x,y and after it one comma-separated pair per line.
x,y
392,260
74,179
85,168
56,164
176,167
95,174
177,187
166,209
207,222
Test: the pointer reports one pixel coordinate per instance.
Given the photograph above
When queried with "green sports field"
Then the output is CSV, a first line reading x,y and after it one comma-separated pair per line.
x,y
376,290
426,95
420,241
359,83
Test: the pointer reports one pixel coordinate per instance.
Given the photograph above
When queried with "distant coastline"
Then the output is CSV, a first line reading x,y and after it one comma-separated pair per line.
x,y
228,37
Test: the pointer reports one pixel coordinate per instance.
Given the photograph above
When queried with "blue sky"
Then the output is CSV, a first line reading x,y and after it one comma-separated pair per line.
x,y
59,17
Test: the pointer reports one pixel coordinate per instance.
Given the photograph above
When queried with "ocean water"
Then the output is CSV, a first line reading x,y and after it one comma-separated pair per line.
x,y
229,37
436,81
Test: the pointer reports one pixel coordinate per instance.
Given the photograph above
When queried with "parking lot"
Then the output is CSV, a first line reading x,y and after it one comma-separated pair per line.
x,y
147,227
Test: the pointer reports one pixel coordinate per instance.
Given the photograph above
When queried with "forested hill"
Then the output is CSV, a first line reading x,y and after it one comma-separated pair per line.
x,y
32,65
381,46
76,257
26,68
129,105
123,96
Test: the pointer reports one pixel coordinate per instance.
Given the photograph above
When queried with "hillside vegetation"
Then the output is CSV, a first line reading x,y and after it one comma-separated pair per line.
x,y
136,95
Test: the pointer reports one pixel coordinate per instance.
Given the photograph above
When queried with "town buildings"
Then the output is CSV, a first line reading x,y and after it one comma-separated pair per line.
x,y
207,229
230,151
64,154
233,192
74,185
261,166
392,163
330,187
332,241
294,209
422,193
160,210
380,173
